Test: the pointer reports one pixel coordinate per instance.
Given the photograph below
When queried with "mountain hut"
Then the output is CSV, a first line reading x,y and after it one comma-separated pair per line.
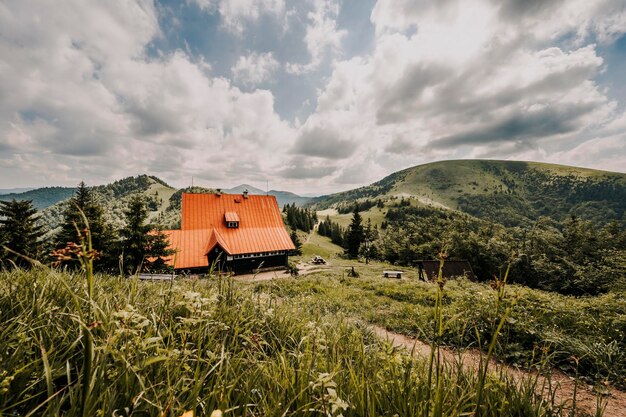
x,y
231,232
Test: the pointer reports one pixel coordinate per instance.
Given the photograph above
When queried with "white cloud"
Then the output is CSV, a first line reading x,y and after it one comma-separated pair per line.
x,y
537,21
255,68
106,109
236,13
82,99
323,38
455,79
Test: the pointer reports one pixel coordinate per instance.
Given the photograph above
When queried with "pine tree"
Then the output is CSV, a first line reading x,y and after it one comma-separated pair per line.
x,y
135,235
101,234
139,242
355,235
296,242
321,230
368,239
19,232
158,249
336,234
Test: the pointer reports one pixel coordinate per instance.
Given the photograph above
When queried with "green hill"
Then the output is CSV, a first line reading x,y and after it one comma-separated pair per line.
x,y
41,197
509,192
15,190
114,198
163,200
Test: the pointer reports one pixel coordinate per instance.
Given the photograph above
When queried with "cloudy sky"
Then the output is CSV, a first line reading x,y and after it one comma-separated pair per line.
x,y
313,96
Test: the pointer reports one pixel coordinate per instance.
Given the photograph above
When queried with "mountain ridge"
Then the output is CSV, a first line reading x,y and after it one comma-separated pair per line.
x,y
41,197
513,193
163,201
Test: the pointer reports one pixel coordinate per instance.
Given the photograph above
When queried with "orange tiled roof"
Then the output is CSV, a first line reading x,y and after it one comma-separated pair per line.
x,y
204,211
186,245
203,222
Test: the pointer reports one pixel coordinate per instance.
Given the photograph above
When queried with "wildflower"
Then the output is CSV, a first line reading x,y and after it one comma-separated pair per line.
x,y
5,385
73,251
496,283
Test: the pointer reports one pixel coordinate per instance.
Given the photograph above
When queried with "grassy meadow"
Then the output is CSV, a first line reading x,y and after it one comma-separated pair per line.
x,y
137,348
75,344
583,336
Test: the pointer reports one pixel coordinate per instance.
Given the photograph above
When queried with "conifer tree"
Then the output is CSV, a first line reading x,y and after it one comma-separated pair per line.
x,y
336,234
355,235
158,249
139,242
101,234
19,232
369,235
296,243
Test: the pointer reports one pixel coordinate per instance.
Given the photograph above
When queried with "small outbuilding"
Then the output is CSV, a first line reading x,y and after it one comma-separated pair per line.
x,y
429,270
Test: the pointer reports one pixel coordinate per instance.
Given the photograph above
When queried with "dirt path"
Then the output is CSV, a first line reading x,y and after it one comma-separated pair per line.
x,y
585,398
304,268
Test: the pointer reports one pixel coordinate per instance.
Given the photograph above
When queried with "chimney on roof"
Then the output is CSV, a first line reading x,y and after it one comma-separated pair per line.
x,y
218,192
245,193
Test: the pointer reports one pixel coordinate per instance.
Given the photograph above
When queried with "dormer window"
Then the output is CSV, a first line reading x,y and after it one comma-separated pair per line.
x,y
232,219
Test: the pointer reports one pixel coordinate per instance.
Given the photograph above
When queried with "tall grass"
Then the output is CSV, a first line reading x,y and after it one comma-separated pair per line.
x,y
584,336
163,349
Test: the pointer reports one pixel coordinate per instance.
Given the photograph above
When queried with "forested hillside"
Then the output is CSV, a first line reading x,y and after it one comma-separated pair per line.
x,y
114,200
41,197
561,228
509,192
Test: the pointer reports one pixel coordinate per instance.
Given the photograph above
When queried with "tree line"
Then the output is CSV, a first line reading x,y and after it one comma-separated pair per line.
x,y
571,256
300,218
137,246
356,240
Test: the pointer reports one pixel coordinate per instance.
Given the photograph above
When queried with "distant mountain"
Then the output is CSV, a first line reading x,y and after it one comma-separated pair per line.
x,y
509,192
243,187
41,197
114,199
15,190
286,197
282,197
164,201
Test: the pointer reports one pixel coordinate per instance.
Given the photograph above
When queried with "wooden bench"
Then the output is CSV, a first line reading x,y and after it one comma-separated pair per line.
x,y
393,274
155,277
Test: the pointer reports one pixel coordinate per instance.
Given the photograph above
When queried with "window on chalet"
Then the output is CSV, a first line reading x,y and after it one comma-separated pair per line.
x,y
232,219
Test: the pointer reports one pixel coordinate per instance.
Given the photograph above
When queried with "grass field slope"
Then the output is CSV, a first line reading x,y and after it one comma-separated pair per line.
x,y
510,192
132,348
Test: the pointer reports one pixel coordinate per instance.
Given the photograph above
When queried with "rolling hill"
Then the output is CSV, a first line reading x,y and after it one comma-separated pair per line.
x,y
41,197
509,192
14,190
163,200
114,199
282,197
